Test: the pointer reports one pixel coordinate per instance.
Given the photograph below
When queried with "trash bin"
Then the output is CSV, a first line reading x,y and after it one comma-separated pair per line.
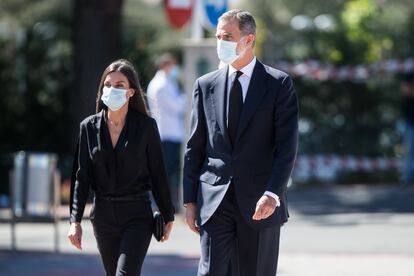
x,y
34,188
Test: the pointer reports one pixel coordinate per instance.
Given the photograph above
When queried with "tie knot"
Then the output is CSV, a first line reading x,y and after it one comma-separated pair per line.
x,y
238,74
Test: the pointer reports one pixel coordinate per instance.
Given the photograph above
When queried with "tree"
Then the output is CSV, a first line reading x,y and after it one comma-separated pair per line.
x,y
97,42
341,117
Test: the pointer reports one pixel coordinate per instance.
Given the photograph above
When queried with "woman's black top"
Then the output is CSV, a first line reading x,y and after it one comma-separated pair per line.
x,y
133,167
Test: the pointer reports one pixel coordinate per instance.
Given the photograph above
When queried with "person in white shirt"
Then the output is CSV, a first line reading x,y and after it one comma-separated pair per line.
x,y
167,105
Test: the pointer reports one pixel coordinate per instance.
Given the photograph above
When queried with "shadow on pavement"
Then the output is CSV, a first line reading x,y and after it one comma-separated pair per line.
x,y
39,263
351,199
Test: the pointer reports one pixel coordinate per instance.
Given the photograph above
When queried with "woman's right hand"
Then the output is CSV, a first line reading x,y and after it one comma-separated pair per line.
x,y
167,231
75,234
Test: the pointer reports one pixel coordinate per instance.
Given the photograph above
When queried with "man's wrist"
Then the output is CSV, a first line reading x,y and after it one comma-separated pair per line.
x,y
274,196
189,204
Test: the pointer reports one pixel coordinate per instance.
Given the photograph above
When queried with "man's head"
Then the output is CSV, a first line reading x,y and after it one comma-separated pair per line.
x,y
168,63
165,62
236,29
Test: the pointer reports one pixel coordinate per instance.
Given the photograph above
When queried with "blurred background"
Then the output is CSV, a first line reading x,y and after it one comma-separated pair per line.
x,y
347,58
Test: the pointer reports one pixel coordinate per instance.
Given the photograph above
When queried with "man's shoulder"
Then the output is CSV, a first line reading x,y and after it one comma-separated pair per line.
x,y
156,84
209,77
275,73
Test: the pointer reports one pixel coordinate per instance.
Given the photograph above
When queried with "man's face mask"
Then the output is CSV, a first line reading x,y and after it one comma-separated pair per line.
x,y
227,51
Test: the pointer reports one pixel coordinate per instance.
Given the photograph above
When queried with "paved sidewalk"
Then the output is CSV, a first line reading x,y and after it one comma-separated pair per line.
x,y
352,231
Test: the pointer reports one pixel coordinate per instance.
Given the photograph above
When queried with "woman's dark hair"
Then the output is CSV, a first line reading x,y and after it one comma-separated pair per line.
x,y
125,67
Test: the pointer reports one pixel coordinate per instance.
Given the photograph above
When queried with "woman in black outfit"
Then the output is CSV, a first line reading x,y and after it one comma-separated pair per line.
x,y
120,159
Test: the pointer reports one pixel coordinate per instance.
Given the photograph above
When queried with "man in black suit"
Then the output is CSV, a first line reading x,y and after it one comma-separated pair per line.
x,y
240,155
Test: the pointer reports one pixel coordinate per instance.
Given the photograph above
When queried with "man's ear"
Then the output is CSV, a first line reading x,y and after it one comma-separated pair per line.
x,y
250,39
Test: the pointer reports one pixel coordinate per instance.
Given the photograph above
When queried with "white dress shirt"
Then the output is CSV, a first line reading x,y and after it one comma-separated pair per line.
x,y
167,105
244,81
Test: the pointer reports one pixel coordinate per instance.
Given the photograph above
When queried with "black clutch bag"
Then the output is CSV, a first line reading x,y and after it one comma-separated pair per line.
x,y
159,226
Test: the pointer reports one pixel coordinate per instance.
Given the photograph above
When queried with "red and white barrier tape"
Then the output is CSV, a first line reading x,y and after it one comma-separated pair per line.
x,y
328,166
358,73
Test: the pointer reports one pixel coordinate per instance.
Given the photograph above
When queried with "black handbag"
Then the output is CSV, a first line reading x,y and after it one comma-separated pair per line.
x,y
159,226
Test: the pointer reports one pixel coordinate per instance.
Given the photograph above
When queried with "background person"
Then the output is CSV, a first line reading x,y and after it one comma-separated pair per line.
x,y
168,105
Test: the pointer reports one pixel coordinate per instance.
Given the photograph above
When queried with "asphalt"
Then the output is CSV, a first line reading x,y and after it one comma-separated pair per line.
x,y
356,230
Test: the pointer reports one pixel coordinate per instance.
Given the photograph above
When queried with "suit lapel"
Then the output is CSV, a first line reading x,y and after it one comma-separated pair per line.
x,y
97,121
255,93
97,127
219,91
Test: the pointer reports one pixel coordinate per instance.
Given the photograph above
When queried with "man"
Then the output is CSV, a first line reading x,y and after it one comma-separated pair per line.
x,y
167,104
239,156
407,94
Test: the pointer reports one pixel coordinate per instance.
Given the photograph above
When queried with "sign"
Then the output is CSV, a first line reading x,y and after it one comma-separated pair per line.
x,y
178,12
213,10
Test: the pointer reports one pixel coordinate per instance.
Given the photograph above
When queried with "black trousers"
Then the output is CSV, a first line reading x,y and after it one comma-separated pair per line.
x,y
172,159
123,231
229,246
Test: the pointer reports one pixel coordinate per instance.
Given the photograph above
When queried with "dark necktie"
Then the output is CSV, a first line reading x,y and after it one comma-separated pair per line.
x,y
235,107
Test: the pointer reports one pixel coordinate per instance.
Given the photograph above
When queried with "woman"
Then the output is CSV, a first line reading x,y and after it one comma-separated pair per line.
x,y
120,158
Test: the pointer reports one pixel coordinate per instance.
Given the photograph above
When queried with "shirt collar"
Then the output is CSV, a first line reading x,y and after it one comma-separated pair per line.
x,y
246,70
161,73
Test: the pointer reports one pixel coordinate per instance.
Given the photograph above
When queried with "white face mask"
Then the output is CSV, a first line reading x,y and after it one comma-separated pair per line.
x,y
226,51
114,98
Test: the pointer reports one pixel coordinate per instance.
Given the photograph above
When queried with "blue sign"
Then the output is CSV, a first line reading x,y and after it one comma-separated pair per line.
x,y
214,9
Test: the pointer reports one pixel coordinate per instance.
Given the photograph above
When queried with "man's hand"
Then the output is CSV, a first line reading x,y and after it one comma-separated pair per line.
x,y
75,234
191,217
265,207
167,231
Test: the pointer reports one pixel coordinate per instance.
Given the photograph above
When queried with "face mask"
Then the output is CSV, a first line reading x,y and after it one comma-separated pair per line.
x,y
175,72
114,98
226,51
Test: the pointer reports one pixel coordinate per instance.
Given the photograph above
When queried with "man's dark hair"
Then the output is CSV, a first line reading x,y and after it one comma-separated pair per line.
x,y
247,24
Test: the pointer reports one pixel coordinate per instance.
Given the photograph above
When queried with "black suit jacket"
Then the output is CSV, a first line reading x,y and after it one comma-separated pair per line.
x,y
263,156
140,164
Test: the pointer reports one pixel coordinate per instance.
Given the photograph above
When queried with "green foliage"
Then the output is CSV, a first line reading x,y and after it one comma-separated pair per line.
x,y
36,73
348,118
35,66
382,177
342,117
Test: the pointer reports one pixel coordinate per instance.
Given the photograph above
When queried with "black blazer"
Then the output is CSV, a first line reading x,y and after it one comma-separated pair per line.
x,y
140,164
264,152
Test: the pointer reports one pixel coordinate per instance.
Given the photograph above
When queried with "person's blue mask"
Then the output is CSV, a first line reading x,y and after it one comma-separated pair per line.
x,y
175,72
114,98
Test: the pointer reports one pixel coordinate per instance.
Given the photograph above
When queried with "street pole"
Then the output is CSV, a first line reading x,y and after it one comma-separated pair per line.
x,y
196,24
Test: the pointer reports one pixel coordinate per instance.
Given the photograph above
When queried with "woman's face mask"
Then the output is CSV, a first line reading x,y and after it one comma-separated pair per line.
x,y
114,98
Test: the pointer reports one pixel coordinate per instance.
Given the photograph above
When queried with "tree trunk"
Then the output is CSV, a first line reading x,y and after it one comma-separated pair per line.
x,y
97,42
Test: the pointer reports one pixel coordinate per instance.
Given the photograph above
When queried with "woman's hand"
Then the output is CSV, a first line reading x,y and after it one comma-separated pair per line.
x,y
75,234
167,231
